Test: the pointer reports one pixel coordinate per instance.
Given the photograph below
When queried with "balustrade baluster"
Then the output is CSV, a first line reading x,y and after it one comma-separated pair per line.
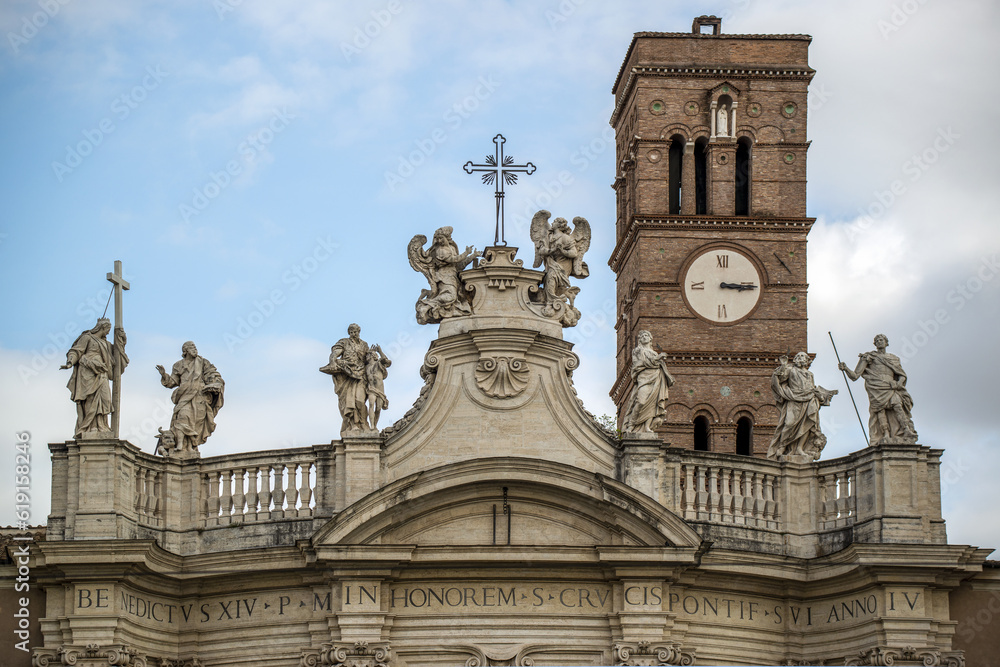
x,y
702,497
770,504
265,493
291,493
227,497
305,492
279,492
713,493
155,501
748,498
239,493
758,498
213,499
852,497
251,512
137,503
727,495
689,492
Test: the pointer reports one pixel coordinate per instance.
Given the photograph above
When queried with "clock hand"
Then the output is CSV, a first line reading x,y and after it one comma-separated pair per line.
x,y
738,286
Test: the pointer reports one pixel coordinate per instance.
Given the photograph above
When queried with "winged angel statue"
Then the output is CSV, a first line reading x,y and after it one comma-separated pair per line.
x,y
561,249
440,264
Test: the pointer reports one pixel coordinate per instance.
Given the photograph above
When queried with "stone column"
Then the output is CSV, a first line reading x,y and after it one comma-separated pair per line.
x,y
687,180
712,114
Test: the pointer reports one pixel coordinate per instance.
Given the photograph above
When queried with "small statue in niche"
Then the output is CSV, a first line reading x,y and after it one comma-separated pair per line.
x,y
441,264
722,125
197,397
799,399
647,405
92,359
561,250
889,404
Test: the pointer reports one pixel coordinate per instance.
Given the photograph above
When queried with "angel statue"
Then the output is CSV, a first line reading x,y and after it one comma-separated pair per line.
x,y
440,264
561,249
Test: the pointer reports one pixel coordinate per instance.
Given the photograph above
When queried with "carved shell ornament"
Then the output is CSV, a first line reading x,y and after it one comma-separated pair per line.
x,y
502,377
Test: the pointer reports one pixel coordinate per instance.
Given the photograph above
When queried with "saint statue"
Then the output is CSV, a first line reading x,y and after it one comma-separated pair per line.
x,y
647,405
889,403
722,124
799,399
197,397
358,374
93,359
441,264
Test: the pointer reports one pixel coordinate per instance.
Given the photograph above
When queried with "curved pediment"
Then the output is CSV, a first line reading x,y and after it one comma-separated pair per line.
x,y
549,504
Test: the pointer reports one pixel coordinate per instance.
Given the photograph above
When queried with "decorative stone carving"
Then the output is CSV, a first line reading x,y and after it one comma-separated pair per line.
x,y
648,403
927,657
358,374
645,653
170,662
197,397
889,403
88,656
428,372
797,436
561,250
502,377
93,360
346,654
441,264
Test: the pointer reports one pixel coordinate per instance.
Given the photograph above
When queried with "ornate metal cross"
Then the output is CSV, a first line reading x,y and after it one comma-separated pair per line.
x,y
499,170
119,284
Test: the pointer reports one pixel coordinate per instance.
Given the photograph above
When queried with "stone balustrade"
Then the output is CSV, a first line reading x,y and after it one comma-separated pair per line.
x,y
110,489
255,488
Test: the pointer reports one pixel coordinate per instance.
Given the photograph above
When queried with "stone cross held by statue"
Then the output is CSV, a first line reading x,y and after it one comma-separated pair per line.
x,y
119,284
499,170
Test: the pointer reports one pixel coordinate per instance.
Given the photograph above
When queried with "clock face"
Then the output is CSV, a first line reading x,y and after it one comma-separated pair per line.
x,y
722,285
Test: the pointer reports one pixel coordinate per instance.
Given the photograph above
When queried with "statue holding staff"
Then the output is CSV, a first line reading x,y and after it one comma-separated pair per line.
x,y
889,403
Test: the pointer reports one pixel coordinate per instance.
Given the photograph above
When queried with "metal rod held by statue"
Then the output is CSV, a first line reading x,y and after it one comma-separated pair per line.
x,y
858,413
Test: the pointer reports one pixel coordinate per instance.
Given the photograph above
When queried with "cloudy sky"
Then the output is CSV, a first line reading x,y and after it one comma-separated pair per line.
x,y
259,167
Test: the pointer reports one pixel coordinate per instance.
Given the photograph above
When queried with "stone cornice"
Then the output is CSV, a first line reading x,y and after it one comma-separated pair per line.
x,y
704,222
774,72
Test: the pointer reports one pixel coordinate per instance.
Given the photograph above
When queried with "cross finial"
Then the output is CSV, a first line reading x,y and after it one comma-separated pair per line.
x,y
499,170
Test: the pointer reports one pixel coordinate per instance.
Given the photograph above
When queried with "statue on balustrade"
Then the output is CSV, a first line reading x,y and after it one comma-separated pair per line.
x,y
93,359
358,373
441,264
648,403
797,435
889,403
561,249
197,398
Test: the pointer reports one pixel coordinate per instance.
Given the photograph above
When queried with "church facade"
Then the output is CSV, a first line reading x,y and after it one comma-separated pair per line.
x,y
499,523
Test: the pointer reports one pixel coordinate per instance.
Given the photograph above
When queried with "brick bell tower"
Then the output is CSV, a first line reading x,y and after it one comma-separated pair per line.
x,y
711,224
